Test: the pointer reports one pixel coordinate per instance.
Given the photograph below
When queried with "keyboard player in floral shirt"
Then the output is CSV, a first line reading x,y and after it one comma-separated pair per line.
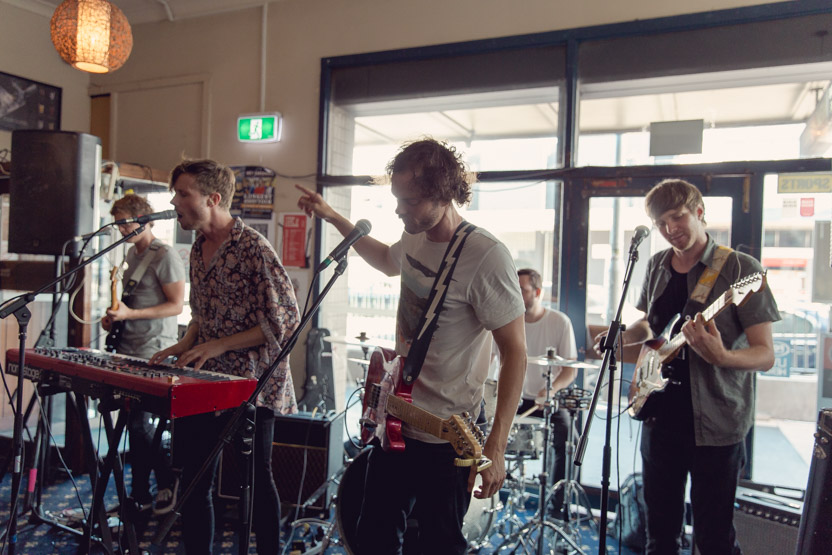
x,y
243,311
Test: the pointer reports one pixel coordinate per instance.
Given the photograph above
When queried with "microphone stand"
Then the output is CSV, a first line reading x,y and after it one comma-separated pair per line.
x,y
247,407
23,315
608,346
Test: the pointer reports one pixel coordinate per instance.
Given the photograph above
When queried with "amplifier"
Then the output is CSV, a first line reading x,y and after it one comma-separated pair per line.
x,y
765,521
816,528
307,451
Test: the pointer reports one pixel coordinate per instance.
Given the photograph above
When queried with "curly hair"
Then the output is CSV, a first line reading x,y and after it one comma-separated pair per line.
x,y
133,205
439,171
671,194
210,176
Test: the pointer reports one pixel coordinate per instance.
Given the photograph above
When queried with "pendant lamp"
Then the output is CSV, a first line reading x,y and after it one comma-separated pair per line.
x,y
91,35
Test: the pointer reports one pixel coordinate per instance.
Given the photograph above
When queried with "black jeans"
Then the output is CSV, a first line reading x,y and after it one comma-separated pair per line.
x,y
144,458
669,454
422,479
195,437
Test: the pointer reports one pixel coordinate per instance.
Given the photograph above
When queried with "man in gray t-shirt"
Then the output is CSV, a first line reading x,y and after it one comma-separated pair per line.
x,y
148,324
483,300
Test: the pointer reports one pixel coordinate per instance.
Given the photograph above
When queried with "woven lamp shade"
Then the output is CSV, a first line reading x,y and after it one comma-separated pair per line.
x,y
91,35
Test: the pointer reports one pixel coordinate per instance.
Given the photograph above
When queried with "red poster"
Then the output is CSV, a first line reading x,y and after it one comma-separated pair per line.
x,y
807,207
294,240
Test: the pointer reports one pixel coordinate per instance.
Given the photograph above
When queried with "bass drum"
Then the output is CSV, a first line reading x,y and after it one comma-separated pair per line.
x,y
476,526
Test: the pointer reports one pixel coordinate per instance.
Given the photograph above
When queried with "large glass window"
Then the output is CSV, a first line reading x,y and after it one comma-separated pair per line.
x,y
764,119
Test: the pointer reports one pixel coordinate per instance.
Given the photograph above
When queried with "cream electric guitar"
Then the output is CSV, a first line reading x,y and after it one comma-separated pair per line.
x,y
388,403
649,378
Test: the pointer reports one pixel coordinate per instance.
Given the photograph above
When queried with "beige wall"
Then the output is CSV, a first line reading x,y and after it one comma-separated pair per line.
x,y
26,51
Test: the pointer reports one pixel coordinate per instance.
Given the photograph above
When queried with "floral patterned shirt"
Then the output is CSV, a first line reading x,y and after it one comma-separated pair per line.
x,y
245,285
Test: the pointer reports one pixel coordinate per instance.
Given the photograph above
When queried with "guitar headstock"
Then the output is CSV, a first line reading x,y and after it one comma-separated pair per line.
x,y
745,287
465,437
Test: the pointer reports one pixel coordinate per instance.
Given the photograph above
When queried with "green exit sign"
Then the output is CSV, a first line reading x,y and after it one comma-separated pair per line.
x,y
259,128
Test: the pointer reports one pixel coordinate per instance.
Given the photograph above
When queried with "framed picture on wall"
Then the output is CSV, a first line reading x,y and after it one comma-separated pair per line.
x,y
27,104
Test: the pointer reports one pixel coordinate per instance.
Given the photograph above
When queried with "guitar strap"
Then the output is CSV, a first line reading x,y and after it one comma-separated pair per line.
x,y
430,317
708,278
136,276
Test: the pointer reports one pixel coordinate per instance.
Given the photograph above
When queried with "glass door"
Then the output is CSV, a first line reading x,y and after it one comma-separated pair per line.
x,y
601,217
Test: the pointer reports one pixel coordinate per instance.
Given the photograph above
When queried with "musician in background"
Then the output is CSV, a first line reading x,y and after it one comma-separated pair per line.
x,y
703,416
546,328
147,320
483,299
243,312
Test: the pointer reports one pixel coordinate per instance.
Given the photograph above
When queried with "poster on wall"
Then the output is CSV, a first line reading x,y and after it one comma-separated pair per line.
x,y
254,193
27,104
292,238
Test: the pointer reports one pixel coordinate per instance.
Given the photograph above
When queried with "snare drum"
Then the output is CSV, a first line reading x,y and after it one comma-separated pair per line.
x,y
526,437
476,525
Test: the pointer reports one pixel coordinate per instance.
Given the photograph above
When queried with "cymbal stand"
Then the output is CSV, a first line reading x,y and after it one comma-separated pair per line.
x,y
524,537
573,400
509,522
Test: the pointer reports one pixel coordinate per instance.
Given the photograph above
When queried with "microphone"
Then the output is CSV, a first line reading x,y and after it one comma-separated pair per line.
x,y
362,228
639,235
166,215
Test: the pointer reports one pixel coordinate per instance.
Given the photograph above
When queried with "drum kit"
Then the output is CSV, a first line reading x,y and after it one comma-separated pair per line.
x,y
488,523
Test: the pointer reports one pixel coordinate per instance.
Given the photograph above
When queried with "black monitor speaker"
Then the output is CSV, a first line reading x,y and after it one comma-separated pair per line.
x,y
55,178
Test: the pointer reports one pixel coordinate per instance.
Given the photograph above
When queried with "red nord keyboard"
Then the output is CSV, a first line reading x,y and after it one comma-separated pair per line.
x,y
162,389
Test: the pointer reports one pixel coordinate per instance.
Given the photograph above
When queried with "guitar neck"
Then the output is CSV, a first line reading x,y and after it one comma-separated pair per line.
x,y
413,415
678,340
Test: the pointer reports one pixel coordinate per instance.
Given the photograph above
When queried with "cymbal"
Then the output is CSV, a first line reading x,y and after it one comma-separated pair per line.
x,y
361,340
560,361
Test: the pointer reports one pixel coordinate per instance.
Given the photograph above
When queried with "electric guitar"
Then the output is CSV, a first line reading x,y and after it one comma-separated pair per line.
x,y
388,403
116,328
650,377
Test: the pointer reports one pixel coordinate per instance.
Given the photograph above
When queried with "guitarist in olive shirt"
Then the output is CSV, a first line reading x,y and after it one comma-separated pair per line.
x,y
146,323
698,424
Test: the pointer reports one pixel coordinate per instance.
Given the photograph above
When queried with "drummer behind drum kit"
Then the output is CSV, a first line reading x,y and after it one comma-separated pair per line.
x,y
528,440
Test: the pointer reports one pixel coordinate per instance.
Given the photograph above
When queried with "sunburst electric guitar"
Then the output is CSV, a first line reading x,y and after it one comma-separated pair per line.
x,y
116,328
388,403
651,377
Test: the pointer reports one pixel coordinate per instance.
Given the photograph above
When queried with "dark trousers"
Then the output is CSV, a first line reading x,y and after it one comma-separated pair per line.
x,y
669,454
144,458
557,455
195,437
422,482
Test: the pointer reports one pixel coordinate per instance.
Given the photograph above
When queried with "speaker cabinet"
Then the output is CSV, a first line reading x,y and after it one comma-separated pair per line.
x,y
765,522
816,527
307,451
54,186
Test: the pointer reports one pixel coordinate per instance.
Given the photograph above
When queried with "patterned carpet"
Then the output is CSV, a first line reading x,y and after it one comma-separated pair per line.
x,y
60,503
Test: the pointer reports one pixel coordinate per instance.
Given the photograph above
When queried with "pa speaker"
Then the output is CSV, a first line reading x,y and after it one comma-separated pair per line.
x,y
55,180
816,527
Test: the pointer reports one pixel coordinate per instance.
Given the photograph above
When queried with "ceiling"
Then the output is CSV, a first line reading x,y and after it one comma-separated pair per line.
x,y
150,11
